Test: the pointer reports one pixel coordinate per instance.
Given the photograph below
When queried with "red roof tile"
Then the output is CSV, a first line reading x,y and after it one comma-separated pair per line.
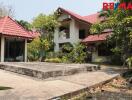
x,y
11,28
34,34
73,15
95,38
92,18
88,19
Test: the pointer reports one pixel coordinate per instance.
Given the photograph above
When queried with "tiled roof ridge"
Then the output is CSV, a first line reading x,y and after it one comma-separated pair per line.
x,y
18,30
74,14
18,24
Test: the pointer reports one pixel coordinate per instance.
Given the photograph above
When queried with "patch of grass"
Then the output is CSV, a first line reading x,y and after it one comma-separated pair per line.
x,y
5,88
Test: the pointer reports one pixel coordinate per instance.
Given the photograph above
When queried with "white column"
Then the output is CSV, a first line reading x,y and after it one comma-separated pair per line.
x,y
2,48
56,40
25,51
74,31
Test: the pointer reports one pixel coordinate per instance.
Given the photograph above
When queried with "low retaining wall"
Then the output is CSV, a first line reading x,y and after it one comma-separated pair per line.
x,y
48,74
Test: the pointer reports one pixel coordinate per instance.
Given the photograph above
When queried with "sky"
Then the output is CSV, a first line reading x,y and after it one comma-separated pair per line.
x,y
28,9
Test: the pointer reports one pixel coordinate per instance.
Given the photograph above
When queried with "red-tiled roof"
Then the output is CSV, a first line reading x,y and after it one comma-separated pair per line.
x,y
34,34
73,14
88,19
93,18
95,38
10,27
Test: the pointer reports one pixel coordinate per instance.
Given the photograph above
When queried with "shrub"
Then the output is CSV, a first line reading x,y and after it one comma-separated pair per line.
x,y
67,48
33,50
65,59
76,55
38,49
53,60
129,62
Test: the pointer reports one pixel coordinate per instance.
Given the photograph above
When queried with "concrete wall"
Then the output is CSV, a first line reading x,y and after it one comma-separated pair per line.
x,y
74,34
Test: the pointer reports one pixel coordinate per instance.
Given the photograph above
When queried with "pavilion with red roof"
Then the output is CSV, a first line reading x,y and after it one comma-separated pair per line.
x,y
13,40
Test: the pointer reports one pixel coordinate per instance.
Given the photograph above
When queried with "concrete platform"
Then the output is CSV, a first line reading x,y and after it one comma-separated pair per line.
x,y
25,88
44,70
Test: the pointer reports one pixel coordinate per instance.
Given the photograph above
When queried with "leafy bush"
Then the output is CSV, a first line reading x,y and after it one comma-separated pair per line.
x,y
76,55
129,62
65,59
38,48
53,60
33,50
66,48
116,57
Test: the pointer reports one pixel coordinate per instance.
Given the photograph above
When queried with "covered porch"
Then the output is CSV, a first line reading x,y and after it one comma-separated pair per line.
x,y
97,47
13,49
13,41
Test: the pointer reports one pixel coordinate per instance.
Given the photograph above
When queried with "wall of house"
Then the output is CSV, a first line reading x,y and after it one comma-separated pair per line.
x,y
74,33
96,58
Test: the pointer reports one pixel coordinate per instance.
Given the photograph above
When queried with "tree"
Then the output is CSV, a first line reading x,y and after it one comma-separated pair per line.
x,y
6,10
120,21
25,24
37,49
45,24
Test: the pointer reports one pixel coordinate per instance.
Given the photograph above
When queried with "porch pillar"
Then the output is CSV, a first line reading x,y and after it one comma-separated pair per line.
x,y
25,51
2,48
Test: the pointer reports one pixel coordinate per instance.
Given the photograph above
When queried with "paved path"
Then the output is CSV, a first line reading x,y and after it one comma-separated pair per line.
x,y
25,88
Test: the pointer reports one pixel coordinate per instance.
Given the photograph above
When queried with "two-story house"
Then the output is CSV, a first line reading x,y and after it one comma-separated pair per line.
x,y
75,28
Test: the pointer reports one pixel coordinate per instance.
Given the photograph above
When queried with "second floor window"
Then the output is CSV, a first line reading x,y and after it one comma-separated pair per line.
x,y
64,32
82,34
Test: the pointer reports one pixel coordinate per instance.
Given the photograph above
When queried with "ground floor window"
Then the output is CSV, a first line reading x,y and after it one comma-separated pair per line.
x,y
104,49
14,49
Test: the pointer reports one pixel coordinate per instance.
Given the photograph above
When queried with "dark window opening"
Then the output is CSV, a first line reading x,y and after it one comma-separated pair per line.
x,y
65,31
104,50
14,50
82,34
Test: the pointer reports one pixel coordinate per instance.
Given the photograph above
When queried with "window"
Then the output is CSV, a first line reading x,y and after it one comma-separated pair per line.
x,y
104,50
82,34
64,32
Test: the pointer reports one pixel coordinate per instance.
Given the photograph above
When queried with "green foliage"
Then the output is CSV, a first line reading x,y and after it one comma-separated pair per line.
x,y
120,22
25,24
74,55
33,50
78,53
53,60
129,62
38,48
65,59
45,23
5,88
68,47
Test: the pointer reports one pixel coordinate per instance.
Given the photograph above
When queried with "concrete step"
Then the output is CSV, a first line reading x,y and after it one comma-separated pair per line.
x,y
47,70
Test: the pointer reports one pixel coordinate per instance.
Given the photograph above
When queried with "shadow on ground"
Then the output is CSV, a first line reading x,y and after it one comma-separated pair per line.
x,y
4,88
